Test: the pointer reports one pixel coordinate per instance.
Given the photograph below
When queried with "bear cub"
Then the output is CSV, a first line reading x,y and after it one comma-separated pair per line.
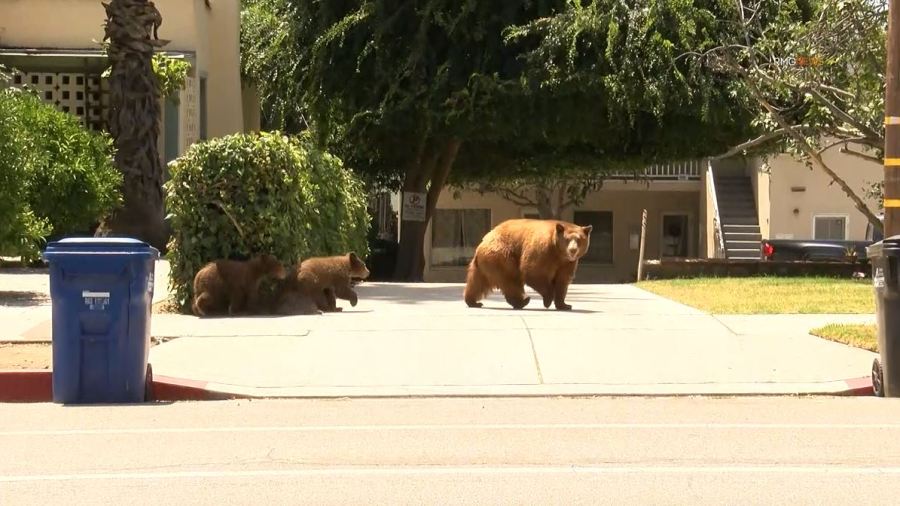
x,y
326,279
232,286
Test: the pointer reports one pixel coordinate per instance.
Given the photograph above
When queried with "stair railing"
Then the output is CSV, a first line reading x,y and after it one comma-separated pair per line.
x,y
719,236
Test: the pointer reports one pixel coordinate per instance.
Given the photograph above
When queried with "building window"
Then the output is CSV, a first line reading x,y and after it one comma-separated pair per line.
x,y
455,233
601,248
830,228
675,235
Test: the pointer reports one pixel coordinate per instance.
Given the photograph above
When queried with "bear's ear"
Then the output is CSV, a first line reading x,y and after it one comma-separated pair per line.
x,y
560,228
587,229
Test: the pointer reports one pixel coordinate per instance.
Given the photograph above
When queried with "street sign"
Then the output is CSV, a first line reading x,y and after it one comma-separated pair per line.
x,y
414,206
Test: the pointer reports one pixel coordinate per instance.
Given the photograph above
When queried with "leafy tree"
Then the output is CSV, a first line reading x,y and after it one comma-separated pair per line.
x,y
131,29
550,195
815,69
408,90
550,184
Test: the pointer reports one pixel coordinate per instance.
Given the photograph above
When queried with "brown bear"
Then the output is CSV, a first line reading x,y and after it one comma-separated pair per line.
x,y
232,286
542,254
326,279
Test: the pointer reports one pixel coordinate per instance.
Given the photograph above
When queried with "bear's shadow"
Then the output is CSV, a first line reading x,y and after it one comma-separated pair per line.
x,y
539,310
276,316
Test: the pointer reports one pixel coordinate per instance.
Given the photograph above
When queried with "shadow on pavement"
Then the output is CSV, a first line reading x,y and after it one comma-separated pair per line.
x,y
413,293
22,298
539,309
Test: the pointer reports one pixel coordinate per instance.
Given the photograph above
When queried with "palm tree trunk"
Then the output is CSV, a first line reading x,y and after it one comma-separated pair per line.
x,y
131,29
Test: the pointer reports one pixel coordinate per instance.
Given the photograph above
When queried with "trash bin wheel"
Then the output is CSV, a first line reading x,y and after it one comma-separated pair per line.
x,y
148,385
877,378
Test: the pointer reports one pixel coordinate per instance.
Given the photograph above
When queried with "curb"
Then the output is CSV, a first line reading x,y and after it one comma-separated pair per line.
x,y
29,385
167,388
841,388
859,386
36,385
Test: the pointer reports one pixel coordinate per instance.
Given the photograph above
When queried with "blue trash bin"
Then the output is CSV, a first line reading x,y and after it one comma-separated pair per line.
x,y
101,290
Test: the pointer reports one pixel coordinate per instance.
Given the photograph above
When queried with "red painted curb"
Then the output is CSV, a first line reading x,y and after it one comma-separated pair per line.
x,y
36,385
859,386
27,385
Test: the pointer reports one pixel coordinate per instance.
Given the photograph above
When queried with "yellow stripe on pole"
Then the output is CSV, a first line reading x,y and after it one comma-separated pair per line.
x,y
892,120
892,162
891,202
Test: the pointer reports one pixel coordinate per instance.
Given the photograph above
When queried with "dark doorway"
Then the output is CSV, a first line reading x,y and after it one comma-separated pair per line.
x,y
675,234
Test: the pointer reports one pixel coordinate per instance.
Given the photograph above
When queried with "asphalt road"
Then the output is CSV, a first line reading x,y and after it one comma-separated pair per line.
x,y
644,451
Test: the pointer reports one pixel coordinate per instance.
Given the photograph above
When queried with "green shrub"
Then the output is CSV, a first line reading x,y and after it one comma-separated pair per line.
x,y
73,181
61,173
245,194
20,229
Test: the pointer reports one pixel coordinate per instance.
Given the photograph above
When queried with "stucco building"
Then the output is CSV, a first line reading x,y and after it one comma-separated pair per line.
x,y
695,209
54,46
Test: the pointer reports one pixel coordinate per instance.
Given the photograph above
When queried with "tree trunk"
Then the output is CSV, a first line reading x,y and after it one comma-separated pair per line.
x,y
544,203
551,201
131,27
428,173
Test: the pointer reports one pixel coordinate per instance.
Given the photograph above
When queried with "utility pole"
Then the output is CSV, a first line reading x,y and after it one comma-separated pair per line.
x,y
892,124
886,372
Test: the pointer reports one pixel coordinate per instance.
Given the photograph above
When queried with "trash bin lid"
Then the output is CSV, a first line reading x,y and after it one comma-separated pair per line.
x,y
889,246
99,245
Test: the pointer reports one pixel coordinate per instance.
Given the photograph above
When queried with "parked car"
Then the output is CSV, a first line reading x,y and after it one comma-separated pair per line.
x,y
872,234
819,250
813,250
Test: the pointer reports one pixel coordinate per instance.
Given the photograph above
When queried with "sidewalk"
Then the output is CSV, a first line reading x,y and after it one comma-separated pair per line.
x,y
25,310
421,339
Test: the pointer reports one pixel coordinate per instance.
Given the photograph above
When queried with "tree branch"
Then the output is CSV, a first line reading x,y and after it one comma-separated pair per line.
x,y
429,163
864,156
840,141
836,90
837,111
443,164
762,139
516,198
237,226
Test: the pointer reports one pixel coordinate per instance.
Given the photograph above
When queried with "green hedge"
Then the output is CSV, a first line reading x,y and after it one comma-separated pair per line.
x,y
245,194
57,177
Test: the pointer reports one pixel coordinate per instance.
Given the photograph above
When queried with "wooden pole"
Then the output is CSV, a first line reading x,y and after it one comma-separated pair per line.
x,y
640,268
892,124
889,347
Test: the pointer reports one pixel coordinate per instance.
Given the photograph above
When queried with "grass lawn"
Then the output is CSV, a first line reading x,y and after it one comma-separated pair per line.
x,y
860,336
769,295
